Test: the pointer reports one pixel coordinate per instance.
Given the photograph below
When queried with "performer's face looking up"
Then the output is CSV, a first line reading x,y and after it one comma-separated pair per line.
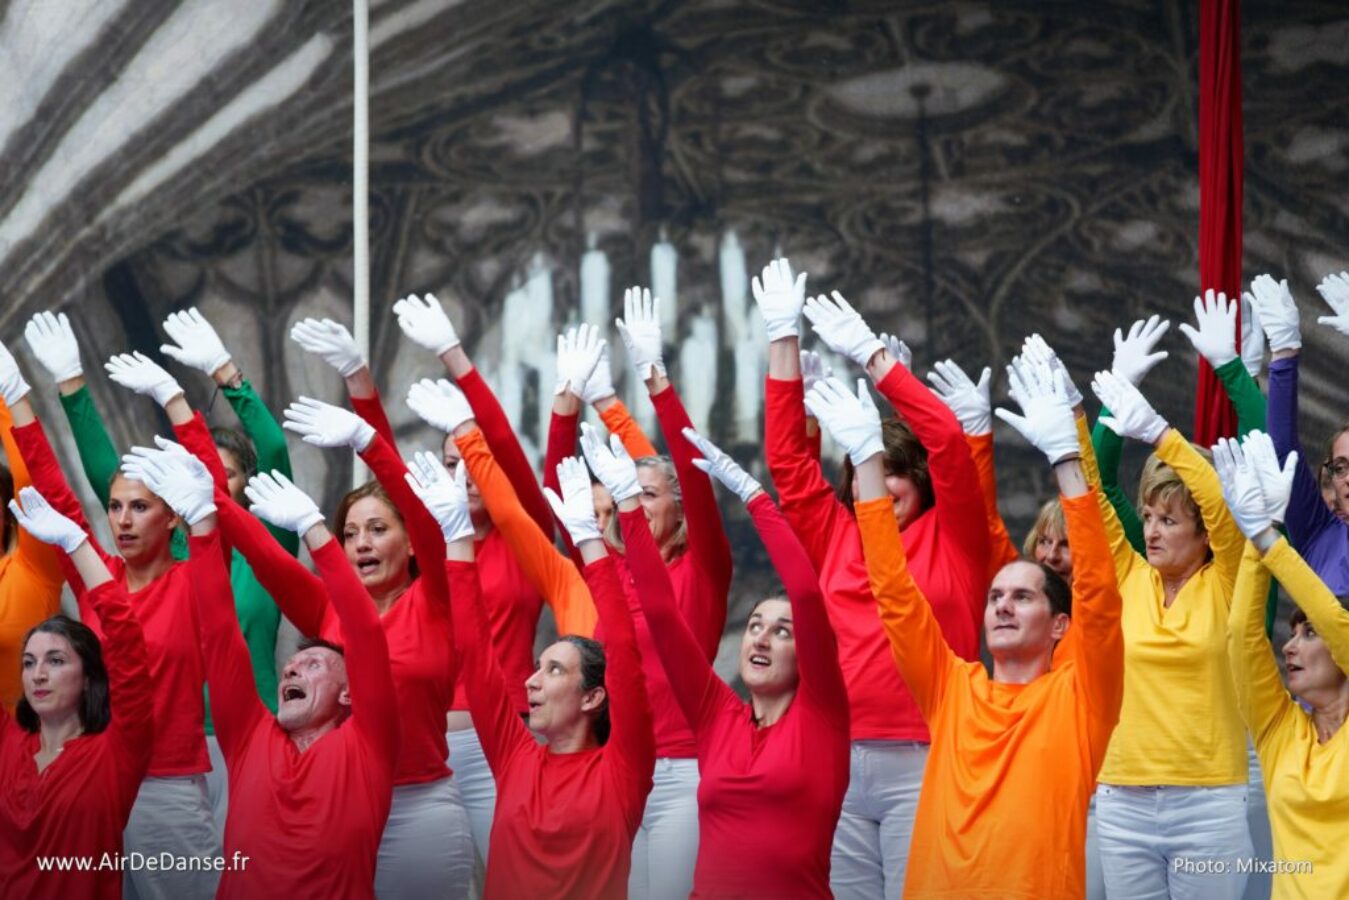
x,y
768,649
1311,669
1018,619
313,690
557,699
141,523
659,503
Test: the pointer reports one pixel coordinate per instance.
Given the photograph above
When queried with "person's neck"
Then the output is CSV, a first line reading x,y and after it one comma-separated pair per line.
x,y
1329,710
139,574
54,731
1174,579
304,738
385,596
1020,669
769,710
574,740
482,526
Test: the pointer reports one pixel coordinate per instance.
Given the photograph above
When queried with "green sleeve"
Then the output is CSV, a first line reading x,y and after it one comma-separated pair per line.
x,y
99,457
269,440
1249,402
1245,395
1109,447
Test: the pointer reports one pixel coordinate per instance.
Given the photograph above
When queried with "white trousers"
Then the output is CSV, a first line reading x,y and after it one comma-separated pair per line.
x,y
171,816
217,783
666,846
1095,874
1166,841
477,786
427,848
871,843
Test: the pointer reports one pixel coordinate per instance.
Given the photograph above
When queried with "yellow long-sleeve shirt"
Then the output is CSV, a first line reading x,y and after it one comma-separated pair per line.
x,y
30,582
1179,724
1306,782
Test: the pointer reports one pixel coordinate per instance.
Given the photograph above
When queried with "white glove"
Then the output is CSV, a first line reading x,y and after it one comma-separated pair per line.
x,y
44,523
277,500
969,401
144,376
1276,482
721,467
600,384
331,341
52,341
1273,303
1216,336
852,419
425,323
1131,415
1252,338
1241,488
325,425
780,298
1047,416
12,386
611,464
175,476
578,353
1334,289
640,329
842,328
1036,350
575,509
439,404
898,349
813,369
1133,354
445,496
197,345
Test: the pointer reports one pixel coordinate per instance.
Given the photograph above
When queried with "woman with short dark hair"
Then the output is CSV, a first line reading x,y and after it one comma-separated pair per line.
x,y
69,768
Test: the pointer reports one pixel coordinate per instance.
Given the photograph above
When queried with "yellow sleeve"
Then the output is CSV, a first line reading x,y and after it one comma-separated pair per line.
x,y
620,422
924,659
1121,551
1261,697
38,558
551,573
1313,597
1224,538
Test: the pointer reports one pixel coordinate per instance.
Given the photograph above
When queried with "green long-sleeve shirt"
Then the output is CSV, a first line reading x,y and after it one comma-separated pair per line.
x,y
1249,403
258,614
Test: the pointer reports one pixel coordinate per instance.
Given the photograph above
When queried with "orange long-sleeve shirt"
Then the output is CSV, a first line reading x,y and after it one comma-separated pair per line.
x,y
1003,807
30,581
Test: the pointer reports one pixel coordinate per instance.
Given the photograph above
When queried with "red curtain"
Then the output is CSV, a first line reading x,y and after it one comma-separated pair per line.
x,y
1220,177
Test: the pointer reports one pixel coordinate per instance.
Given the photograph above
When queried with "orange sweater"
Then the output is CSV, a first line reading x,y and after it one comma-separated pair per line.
x,y
553,575
30,581
1003,807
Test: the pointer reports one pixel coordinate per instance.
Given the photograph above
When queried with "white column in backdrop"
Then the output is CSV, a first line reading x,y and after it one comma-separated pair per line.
x,y
360,191
698,369
664,284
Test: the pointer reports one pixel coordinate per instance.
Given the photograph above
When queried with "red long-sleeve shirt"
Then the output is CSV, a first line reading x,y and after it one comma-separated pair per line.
x,y
770,794
564,822
78,806
947,547
417,627
701,575
309,822
164,609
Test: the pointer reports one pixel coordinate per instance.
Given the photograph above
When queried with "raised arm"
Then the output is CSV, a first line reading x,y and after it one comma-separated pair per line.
x,y
30,553
1324,610
331,342
269,441
707,536
1225,540
1259,689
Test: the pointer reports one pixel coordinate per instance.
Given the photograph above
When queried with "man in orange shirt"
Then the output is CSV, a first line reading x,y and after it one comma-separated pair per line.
x,y
1014,757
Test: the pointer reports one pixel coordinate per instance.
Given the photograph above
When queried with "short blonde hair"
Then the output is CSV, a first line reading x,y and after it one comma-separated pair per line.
x,y
1049,519
1160,485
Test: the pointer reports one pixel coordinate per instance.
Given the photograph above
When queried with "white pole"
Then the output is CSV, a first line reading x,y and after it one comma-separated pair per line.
x,y
360,190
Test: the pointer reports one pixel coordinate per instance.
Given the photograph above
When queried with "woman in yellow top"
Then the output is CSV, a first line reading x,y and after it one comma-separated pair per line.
x,y
1304,754
1171,799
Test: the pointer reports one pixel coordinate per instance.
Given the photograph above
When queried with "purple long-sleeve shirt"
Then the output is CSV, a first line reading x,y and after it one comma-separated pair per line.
x,y
1316,533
